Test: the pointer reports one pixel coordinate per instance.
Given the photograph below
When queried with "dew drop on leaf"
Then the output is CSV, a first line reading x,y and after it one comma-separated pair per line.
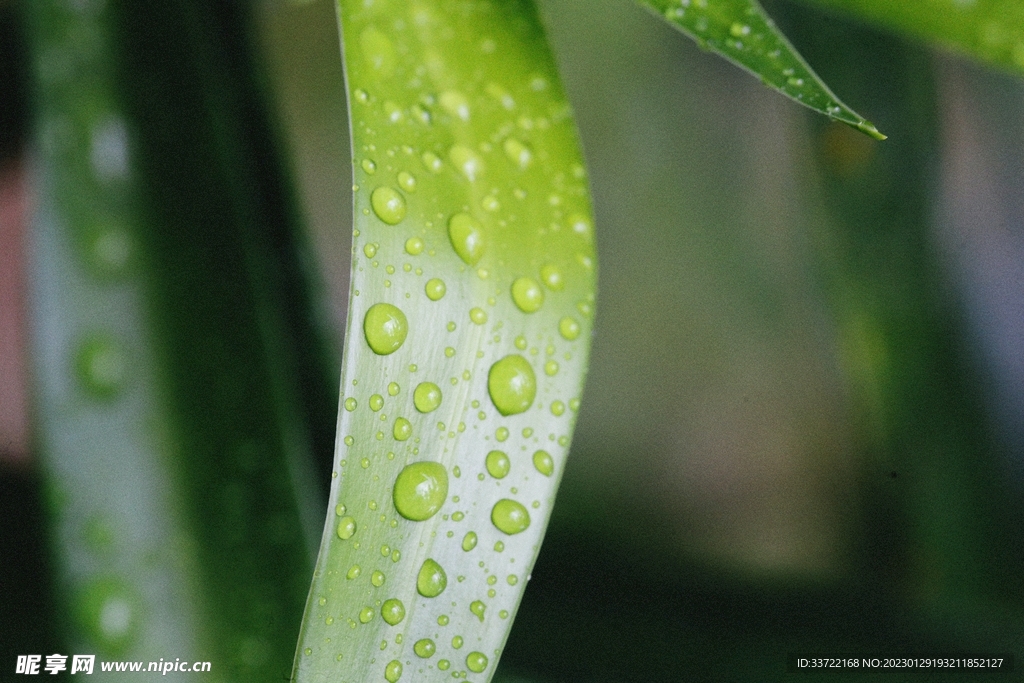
x,y
467,238
420,490
388,204
392,611
527,294
426,397
512,385
469,541
510,517
543,463
346,528
435,289
424,648
497,464
385,328
431,580
476,662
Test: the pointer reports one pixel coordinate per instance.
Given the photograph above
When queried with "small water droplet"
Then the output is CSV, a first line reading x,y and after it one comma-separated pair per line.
x,y
478,608
377,578
552,277
420,490
431,580
443,664
467,238
407,181
388,204
512,579
385,328
424,648
101,367
457,642
512,385
501,434
469,541
366,614
346,528
455,103
557,408
518,153
510,516
414,246
527,294
467,161
350,404
568,328
392,611
402,430
497,464
544,464
369,166
435,289
376,402
442,620
393,389
478,315
426,397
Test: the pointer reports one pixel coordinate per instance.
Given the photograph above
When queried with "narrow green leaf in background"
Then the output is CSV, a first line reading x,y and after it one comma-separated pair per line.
x,y
467,341
988,30
742,32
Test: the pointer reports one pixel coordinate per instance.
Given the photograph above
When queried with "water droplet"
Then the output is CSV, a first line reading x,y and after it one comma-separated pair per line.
x,y
349,440
510,516
455,103
407,181
366,614
442,620
568,328
457,642
512,579
414,246
385,328
435,289
497,464
393,671
552,277
369,166
517,152
393,389
402,430
377,578
467,237
308,651
101,367
738,30
478,608
512,385
501,434
544,464
527,294
388,204
350,404
443,664
431,580
467,161
420,490
424,648
392,611
551,368
109,614
520,342
376,402
346,528
370,249
432,162
498,547
426,397
478,315
469,541
557,408
378,51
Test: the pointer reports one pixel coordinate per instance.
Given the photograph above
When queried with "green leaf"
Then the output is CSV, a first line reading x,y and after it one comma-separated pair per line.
x,y
467,339
989,30
743,33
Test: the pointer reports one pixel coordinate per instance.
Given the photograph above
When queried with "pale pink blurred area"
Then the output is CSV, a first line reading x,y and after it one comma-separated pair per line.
x,y
14,429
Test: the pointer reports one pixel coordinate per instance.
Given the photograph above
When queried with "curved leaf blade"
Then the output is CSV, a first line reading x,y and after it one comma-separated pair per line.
x,y
742,32
988,30
473,269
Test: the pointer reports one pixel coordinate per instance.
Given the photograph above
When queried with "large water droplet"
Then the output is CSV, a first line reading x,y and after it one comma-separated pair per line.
x,y
393,671
510,516
388,204
346,528
420,490
527,294
426,397
512,385
476,662
431,580
386,328
497,464
467,237
424,648
376,402
392,611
